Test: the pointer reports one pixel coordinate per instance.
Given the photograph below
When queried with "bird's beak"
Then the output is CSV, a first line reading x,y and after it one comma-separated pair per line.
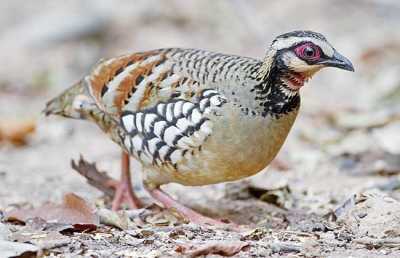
x,y
339,61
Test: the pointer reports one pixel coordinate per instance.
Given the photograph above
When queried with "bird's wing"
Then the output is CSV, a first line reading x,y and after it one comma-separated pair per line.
x,y
163,99
170,131
141,80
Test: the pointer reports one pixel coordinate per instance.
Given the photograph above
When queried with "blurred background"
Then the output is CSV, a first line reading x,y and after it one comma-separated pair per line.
x,y
47,45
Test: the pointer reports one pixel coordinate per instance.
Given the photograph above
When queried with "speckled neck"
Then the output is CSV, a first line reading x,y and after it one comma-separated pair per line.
x,y
273,97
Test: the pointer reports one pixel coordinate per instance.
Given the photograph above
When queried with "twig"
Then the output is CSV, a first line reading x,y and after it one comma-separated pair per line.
x,y
285,247
387,242
94,177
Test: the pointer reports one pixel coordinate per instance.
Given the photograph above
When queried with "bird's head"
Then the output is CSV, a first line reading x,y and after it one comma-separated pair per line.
x,y
72,103
296,56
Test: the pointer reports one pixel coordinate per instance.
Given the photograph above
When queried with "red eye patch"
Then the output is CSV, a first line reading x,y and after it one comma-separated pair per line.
x,y
308,51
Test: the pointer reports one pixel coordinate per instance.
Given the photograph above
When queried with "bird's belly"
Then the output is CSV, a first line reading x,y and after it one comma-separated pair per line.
x,y
240,146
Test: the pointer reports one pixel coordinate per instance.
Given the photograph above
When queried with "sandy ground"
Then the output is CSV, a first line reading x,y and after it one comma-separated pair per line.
x,y
338,196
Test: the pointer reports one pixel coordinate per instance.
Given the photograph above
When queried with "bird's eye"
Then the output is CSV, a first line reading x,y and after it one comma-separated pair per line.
x,y
308,51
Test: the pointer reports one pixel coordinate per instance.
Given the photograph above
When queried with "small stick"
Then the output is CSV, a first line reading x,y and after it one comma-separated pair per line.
x,y
387,242
285,247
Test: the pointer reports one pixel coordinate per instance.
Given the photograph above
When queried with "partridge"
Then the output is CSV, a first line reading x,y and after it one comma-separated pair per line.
x,y
196,117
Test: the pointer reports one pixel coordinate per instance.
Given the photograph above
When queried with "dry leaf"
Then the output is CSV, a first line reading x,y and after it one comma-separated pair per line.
x,y
74,211
16,132
116,219
342,209
41,239
279,194
12,249
224,248
373,214
280,197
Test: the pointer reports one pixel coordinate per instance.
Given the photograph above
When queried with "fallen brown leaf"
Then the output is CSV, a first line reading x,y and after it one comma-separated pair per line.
x,y
95,178
16,132
73,211
224,248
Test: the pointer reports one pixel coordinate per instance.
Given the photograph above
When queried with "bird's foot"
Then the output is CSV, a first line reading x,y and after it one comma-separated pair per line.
x,y
189,214
123,195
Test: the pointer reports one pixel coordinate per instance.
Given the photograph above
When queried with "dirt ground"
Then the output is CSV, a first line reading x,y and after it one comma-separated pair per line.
x,y
334,193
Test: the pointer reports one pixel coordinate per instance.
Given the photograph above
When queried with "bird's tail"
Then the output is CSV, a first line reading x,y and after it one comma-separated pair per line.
x,y
71,103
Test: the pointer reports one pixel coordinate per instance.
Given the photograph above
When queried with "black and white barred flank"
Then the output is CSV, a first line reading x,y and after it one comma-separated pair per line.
x,y
167,132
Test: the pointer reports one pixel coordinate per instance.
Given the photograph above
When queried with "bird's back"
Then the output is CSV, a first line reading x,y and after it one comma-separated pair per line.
x,y
141,80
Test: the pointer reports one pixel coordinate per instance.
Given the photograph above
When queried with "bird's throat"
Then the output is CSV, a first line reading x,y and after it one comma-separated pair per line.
x,y
278,93
295,81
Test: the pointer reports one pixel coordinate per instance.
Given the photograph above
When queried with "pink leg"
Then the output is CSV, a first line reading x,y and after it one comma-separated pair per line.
x,y
186,212
124,191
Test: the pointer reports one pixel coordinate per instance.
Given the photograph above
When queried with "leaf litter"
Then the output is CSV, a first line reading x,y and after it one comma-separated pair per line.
x,y
16,132
343,159
74,211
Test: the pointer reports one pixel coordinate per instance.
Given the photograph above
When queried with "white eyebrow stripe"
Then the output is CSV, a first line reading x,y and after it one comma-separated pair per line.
x,y
288,42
